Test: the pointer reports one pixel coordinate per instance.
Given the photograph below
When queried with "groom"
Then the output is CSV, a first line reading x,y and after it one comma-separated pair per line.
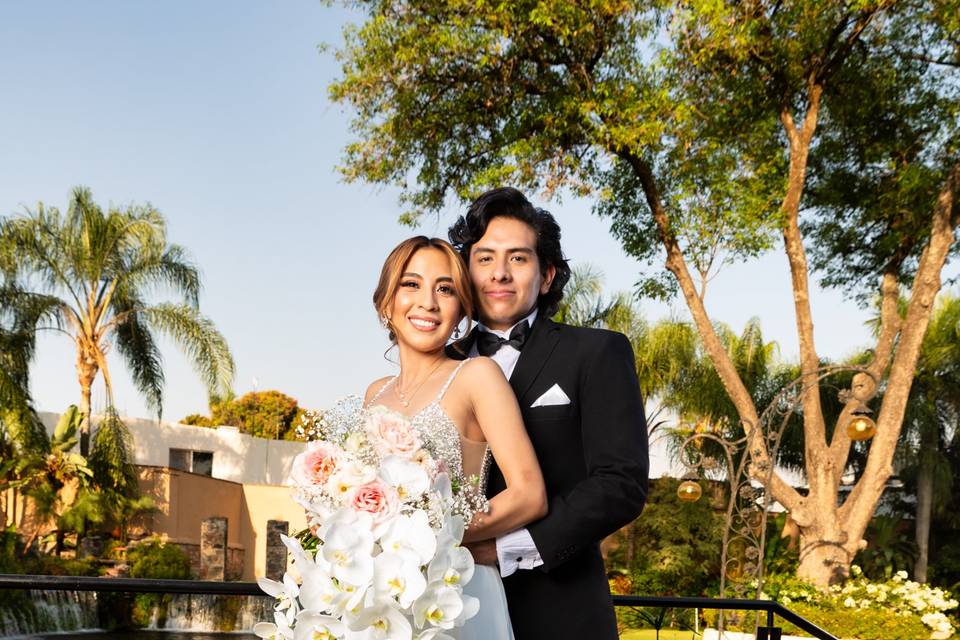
x,y
581,405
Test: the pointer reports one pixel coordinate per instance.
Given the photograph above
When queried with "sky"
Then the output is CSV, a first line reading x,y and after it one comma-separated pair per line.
x,y
217,114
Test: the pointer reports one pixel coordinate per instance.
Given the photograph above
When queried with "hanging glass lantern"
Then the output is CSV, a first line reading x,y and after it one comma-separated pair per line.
x,y
689,490
861,427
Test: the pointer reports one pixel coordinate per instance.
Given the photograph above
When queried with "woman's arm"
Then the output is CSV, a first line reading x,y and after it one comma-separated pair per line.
x,y
498,416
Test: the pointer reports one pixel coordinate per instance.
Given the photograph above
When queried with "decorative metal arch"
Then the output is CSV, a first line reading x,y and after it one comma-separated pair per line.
x,y
745,528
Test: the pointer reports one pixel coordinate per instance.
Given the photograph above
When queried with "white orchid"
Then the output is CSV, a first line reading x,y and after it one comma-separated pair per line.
x,y
440,606
316,626
319,592
411,534
278,630
285,592
382,622
453,566
434,633
407,477
398,576
348,548
471,607
300,556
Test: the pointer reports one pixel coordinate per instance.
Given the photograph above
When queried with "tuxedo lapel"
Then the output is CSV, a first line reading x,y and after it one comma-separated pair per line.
x,y
534,355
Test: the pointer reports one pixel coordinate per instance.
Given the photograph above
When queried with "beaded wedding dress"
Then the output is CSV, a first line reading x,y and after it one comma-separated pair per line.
x,y
464,458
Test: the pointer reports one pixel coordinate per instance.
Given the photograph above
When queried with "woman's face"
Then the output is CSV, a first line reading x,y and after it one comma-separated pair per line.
x,y
425,309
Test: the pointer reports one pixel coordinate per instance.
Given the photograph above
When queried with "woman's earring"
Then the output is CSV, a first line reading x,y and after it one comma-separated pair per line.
x,y
456,333
384,322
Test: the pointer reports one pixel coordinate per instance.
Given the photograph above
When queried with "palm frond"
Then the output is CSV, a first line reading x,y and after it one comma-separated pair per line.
x,y
197,336
142,356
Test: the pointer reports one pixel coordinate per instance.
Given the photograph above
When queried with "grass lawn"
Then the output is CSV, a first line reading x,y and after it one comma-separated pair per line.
x,y
651,634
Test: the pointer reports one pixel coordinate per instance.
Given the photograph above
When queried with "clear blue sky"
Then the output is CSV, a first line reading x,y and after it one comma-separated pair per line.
x,y
217,113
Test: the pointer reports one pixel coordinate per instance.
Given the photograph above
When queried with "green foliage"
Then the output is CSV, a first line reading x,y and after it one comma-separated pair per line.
x,y
197,420
890,548
847,623
265,414
158,560
95,270
675,544
111,458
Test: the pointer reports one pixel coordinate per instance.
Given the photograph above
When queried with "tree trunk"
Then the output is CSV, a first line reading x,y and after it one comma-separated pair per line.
x,y
86,374
824,560
928,449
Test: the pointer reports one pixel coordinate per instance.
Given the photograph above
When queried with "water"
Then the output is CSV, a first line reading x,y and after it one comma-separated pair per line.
x,y
141,635
26,612
212,613
62,614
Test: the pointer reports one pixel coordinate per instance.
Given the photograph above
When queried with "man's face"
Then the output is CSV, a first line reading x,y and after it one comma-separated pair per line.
x,y
506,273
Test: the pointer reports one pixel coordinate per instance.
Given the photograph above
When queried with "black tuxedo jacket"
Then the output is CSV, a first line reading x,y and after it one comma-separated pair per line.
x,y
593,453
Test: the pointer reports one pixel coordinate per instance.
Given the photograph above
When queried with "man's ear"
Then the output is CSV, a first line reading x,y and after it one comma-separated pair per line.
x,y
548,277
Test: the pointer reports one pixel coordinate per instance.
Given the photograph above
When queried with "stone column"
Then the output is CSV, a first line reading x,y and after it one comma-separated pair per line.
x,y
213,549
276,552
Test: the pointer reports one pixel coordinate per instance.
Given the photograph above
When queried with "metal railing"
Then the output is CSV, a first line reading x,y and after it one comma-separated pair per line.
x,y
137,585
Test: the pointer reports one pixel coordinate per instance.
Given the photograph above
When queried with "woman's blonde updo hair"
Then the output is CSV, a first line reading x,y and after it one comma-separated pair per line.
x,y
396,263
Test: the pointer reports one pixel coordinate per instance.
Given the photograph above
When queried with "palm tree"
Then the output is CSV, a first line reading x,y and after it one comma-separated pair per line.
x,y
933,408
99,267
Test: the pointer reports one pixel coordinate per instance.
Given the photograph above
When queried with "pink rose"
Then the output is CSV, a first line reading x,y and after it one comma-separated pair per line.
x,y
377,499
315,465
392,434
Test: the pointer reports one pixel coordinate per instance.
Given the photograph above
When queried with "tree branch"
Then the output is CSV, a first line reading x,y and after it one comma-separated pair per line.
x,y
858,509
820,472
726,370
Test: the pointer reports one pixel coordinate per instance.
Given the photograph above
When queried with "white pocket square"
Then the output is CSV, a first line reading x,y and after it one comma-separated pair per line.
x,y
554,396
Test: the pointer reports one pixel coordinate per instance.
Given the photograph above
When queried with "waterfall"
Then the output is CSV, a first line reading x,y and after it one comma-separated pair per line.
x,y
35,611
211,612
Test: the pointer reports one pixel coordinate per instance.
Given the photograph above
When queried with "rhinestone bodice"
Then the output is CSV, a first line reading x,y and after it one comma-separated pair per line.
x,y
442,438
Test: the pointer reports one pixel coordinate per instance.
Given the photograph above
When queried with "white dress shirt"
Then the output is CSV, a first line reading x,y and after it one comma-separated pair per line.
x,y
515,550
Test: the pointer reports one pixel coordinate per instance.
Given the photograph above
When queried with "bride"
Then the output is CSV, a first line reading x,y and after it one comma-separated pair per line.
x,y
464,411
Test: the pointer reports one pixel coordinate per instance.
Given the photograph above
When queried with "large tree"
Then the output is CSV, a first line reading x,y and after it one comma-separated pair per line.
x,y
693,124
98,269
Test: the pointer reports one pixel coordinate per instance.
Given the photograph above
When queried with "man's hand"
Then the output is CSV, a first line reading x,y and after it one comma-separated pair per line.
x,y
484,552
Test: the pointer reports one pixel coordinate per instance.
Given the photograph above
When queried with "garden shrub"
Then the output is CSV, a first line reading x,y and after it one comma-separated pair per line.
x,y
155,559
896,609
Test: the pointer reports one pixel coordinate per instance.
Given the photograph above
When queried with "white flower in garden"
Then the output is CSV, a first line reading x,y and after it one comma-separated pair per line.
x,y
315,626
347,546
410,534
407,477
398,576
453,566
382,622
850,602
285,592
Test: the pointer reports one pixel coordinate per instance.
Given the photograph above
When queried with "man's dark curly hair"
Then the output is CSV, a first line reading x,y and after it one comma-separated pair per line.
x,y
510,203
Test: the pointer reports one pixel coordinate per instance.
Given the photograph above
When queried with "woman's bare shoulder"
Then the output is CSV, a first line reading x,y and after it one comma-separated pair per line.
x,y
375,387
482,370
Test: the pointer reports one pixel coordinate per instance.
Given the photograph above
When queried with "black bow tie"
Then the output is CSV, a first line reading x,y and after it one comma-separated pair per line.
x,y
489,343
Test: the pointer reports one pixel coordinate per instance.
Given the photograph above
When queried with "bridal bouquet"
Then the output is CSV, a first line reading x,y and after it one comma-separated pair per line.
x,y
382,557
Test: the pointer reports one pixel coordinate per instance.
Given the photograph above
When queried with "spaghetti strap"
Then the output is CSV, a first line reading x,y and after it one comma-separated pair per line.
x,y
446,385
380,392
